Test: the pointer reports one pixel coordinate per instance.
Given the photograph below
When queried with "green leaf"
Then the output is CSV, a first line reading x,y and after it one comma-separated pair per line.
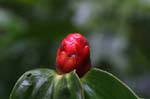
x,y
99,84
46,84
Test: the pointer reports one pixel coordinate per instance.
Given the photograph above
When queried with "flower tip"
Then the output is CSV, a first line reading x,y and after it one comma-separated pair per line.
x,y
73,53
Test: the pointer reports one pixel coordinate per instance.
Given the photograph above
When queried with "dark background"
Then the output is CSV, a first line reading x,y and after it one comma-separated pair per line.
x,y
118,32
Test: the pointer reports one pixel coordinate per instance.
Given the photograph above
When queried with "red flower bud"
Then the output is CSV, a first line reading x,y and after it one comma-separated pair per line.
x,y
73,53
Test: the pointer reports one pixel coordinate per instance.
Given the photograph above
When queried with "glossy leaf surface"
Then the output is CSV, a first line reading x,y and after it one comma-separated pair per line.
x,y
99,84
46,84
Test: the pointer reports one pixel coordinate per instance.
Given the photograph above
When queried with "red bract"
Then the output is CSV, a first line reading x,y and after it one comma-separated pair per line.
x,y
73,53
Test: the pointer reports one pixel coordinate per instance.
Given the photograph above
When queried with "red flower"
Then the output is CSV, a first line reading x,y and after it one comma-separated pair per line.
x,y
73,53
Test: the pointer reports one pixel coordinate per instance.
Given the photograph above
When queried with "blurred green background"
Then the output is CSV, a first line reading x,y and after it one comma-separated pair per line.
x,y
118,32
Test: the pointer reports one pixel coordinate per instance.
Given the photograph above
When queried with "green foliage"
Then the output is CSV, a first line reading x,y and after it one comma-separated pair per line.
x,y
46,84
99,84
31,29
